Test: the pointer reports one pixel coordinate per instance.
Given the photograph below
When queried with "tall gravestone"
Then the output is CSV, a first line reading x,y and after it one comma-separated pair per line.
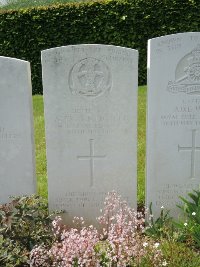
x,y
90,102
173,128
17,162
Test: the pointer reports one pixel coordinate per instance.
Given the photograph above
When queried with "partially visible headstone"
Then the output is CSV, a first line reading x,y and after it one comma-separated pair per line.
x,y
90,102
173,129
17,162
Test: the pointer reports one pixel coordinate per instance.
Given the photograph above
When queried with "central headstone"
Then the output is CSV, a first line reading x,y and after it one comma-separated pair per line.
x,y
173,132
90,101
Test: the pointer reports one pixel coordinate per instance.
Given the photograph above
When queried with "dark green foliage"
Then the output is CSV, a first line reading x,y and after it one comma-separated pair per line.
x,y
190,227
161,227
191,207
186,229
24,223
130,23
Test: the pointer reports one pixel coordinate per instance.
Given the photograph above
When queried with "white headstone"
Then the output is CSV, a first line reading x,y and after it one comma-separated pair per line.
x,y
173,129
90,102
17,162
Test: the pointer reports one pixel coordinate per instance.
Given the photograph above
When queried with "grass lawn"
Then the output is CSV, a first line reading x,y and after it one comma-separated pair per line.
x,y
40,145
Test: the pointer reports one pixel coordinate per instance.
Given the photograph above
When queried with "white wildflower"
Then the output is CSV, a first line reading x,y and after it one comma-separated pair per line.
x,y
164,263
156,245
124,17
145,244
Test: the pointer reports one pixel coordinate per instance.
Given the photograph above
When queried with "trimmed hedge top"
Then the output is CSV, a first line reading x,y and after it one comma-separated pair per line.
x,y
24,33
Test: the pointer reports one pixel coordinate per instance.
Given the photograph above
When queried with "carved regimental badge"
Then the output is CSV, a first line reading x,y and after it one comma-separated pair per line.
x,y
90,77
187,75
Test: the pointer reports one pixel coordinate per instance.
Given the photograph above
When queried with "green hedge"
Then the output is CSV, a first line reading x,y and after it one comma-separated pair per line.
x,y
130,23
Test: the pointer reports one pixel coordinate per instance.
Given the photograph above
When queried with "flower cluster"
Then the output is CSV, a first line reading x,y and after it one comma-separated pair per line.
x,y
123,229
121,241
75,247
39,256
120,229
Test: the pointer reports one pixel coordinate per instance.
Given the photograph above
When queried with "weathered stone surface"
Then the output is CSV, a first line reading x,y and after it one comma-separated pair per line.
x,y
90,100
173,132
17,162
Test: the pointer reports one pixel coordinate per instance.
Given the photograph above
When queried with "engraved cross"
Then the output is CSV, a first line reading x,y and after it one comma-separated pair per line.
x,y
191,149
91,158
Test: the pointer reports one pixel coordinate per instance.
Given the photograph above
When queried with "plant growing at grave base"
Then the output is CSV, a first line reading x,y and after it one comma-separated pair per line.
x,y
24,223
190,227
121,243
162,227
183,230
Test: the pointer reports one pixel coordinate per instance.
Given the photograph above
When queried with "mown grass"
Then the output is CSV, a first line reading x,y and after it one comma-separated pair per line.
x,y
179,255
41,169
40,145
141,143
